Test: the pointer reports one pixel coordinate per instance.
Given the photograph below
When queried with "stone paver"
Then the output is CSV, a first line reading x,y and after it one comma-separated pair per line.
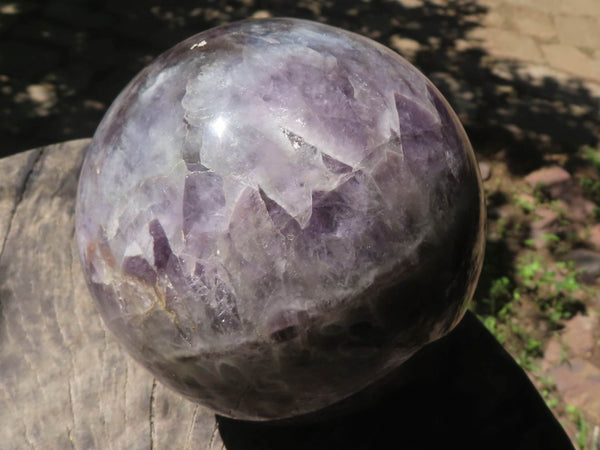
x,y
567,362
563,35
572,60
579,336
531,21
503,43
582,7
579,384
548,176
594,236
579,31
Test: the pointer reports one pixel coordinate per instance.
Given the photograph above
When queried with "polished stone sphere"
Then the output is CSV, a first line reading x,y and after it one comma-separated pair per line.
x,y
277,213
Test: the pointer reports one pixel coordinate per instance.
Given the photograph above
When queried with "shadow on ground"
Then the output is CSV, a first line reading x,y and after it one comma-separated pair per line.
x,y
63,62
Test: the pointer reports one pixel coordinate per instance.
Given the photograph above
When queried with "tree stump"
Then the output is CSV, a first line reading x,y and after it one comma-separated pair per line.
x,y
66,383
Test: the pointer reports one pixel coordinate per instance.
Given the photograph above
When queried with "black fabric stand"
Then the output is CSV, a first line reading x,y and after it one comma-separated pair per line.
x,y
461,392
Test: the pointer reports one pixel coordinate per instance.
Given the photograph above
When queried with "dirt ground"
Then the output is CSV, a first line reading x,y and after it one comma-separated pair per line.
x,y
524,79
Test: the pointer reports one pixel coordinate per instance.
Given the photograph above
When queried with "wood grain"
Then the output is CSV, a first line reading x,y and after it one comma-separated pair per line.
x,y
64,381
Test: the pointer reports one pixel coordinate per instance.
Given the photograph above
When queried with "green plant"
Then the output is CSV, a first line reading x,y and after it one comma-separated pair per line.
x,y
540,193
555,243
550,238
548,391
591,155
501,227
583,427
564,356
591,189
496,307
499,295
495,328
530,349
524,203
528,270
550,284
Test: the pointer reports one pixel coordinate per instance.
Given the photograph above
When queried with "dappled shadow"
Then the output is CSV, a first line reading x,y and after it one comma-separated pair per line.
x,y
63,62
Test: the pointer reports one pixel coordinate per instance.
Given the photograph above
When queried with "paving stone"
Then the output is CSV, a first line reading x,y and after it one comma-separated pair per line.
x,y
576,341
579,336
531,21
526,3
546,218
18,8
262,14
508,44
493,18
546,222
587,261
579,385
553,355
43,96
412,3
548,176
579,208
572,60
594,237
570,197
580,31
583,7
406,47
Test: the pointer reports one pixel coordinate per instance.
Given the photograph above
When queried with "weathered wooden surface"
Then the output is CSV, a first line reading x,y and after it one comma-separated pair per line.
x,y
66,383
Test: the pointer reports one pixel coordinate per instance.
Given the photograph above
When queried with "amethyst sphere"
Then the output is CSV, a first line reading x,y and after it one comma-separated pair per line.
x,y
277,213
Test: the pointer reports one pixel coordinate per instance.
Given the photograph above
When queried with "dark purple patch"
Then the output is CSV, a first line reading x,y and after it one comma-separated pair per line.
x,y
328,209
174,271
162,249
413,117
199,269
138,267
